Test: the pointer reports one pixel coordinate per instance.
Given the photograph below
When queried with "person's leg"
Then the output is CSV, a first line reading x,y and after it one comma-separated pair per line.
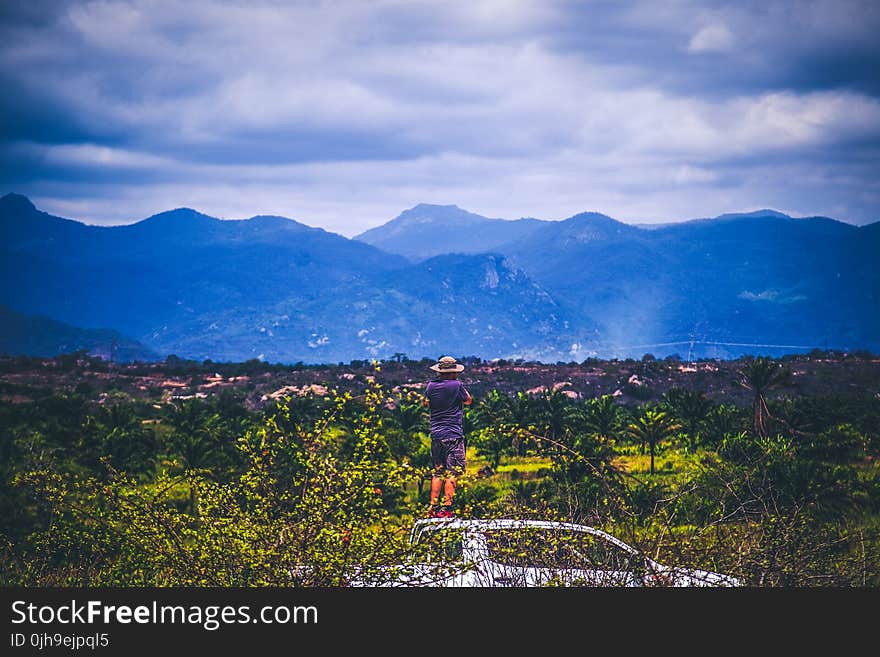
x,y
436,485
438,460
454,466
448,491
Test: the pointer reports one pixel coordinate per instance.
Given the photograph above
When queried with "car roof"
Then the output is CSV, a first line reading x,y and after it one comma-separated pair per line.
x,y
511,523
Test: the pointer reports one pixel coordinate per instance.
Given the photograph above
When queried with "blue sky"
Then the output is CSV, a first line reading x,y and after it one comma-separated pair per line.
x,y
343,114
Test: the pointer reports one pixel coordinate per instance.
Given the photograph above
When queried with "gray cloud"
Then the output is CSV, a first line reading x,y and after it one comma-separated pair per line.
x,y
343,114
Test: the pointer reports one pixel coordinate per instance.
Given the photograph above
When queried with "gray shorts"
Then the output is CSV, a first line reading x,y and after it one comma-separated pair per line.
x,y
447,455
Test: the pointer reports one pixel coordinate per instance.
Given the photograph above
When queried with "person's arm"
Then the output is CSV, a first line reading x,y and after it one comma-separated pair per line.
x,y
468,399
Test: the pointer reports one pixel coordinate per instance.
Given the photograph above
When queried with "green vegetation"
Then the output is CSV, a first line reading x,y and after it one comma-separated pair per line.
x,y
106,487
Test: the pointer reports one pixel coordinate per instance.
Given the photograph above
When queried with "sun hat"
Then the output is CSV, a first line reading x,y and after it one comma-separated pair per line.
x,y
447,364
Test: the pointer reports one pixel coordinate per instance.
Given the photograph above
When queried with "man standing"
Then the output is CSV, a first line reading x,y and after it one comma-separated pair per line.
x,y
445,398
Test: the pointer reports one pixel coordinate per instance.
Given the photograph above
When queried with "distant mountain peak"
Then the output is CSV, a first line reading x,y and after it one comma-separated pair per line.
x,y
432,206
17,203
271,224
587,227
178,214
279,220
177,221
755,214
430,213
594,217
426,230
423,216
270,217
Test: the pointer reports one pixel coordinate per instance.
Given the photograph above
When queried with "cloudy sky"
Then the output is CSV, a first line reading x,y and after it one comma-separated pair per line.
x,y
343,114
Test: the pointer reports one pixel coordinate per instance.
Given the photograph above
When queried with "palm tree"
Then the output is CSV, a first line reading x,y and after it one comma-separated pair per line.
x,y
722,420
522,409
407,422
652,427
197,439
592,424
493,410
602,416
759,375
552,412
124,438
692,407
492,420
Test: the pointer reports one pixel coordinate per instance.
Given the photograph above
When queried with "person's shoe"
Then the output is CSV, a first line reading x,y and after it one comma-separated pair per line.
x,y
445,513
434,512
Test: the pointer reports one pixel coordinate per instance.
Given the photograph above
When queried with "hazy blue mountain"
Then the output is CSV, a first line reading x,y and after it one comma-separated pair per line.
x,y
760,278
742,279
185,283
476,304
40,336
429,230
146,278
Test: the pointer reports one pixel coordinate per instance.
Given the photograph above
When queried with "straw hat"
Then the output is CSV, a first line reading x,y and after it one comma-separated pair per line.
x,y
447,364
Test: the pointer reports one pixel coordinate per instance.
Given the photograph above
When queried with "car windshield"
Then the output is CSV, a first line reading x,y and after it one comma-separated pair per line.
x,y
440,545
557,548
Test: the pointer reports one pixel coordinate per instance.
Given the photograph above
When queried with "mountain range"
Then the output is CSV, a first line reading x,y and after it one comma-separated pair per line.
x,y
40,336
439,279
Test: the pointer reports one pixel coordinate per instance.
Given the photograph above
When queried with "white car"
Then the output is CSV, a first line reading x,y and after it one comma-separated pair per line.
x,y
522,553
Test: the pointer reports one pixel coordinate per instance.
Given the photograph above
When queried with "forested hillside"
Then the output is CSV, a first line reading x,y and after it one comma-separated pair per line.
x,y
196,473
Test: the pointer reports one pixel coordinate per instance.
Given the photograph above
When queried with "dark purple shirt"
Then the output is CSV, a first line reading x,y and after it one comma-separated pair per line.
x,y
445,400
